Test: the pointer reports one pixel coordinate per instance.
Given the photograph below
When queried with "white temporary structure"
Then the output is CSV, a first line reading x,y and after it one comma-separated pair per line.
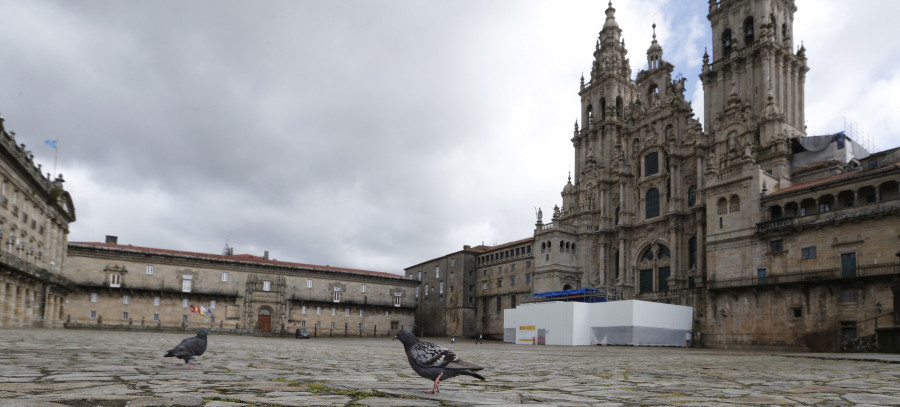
x,y
629,322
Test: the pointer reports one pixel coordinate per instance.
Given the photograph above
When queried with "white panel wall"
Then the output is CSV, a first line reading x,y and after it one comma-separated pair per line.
x,y
657,315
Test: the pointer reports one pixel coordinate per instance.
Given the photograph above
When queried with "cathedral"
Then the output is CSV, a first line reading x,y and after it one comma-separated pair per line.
x,y
774,236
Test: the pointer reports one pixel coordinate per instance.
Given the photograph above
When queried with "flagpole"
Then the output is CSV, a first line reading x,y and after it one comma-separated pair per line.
x,y
55,157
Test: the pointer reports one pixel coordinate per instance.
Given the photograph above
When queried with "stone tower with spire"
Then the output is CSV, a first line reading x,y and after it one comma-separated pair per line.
x,y
631,207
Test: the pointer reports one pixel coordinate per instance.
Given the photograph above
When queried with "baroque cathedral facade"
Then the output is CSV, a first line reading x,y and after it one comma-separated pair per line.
x,y
774,236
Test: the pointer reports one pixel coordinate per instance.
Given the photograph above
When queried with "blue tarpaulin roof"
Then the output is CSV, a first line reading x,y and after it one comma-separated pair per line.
x,y
580,294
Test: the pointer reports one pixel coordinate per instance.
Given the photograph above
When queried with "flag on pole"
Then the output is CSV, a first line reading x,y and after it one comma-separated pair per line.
x,y
204,310
51,143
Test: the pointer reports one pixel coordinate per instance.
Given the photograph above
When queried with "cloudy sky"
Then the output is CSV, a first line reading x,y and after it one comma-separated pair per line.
x,y
363,134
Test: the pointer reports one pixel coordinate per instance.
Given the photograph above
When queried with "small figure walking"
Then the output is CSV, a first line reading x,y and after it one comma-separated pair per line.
x,y
452,338
478,340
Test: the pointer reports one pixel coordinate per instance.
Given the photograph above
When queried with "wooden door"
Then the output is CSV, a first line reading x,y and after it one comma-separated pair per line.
x,y
264,321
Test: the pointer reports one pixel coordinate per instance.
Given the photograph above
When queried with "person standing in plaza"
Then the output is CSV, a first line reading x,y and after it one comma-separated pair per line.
x,y
478,339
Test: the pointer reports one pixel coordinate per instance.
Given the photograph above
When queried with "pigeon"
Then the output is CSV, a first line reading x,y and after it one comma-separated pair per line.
x,y
433,361
190,348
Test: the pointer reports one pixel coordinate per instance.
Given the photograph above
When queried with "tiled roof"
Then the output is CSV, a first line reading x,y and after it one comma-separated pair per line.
x,y
833,178
246,258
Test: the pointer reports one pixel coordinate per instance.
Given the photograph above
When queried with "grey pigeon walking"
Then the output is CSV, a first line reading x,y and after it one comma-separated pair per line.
x,y
190,348
433,361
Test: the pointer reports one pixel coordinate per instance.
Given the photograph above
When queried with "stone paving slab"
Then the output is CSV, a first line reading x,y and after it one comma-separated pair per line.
x,y
77,368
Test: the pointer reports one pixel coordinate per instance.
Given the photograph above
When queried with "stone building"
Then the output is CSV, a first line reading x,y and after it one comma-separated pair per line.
x,y
35,213
446,293
139,286
775,237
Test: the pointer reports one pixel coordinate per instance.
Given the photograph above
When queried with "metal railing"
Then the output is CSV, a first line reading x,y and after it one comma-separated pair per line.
x,y
836,273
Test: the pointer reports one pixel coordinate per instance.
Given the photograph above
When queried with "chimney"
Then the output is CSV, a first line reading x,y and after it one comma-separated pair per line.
x,y
112,239
466,247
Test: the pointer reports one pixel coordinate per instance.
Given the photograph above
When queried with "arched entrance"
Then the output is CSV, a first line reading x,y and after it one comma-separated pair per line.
x,y
264,320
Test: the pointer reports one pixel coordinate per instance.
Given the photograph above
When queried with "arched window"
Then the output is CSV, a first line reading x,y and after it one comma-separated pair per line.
x,y
589,113
653,90
617,216
774,23
775,212
648,254
748,30
722,206
662,252
726,41
562,247
735,205
652,203
692,195
573,248
619,107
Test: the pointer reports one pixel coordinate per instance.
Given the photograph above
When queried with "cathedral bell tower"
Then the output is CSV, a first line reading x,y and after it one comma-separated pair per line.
x,y
753,86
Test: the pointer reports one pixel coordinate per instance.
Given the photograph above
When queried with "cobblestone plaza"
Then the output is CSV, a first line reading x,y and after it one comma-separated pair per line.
x,y
56,367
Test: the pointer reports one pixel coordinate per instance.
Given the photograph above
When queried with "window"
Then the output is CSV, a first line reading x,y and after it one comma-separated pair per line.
x,y
336,295
692,252
224,276
726,41
646,277
692,195
528,264
512,281
185,303
360,312
777,246
333,310
484,285
93,297
362,288
318,324
420,276
417,291
848,295
808,253
93,314
308,283
303,324
528,279
156,301
452,261
360,326
126,299
125,315
115,280
387,313
441,289
186,283
156,317
437,272
318,310
346,312
303,309
267,286
499,304
652,203
651,164
398,300
797,311
512,301
149,269
212,304
332,325
184,319
499,282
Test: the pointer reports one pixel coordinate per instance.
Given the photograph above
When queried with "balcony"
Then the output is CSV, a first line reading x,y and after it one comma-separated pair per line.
x,y
832,274
17,263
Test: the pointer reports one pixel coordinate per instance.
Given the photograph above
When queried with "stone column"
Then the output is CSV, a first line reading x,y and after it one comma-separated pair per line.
x,y
2,304
30,298
18,295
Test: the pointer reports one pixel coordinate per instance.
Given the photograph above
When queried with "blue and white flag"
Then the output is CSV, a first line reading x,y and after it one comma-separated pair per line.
x,y
51,143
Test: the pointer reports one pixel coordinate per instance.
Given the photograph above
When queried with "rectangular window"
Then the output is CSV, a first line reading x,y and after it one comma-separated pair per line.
x,y
93,314
808,253
761,276
360,326
93,297
318,310
362,288
420,276
333,310
156,301
484,285
308,283
346,312
224,276
398,300
360,312
185,286
387,313
646,277
417,291
499,304
125,315
115,280
651,164
512,267
426,290
441,289
499,282
185,303
332,325
126,299
500,269
336,296
452,261
437,272
267,286
156,317
303,309
149,269
777,246
212,304
797,312
848,295
848,265
512,281
184,319
512,301
303,324
318,324
528,279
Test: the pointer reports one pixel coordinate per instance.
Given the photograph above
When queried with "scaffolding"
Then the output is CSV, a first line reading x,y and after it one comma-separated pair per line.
x,y
589,295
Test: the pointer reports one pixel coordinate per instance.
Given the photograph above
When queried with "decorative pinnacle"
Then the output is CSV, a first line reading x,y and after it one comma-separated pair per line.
x,y
654,31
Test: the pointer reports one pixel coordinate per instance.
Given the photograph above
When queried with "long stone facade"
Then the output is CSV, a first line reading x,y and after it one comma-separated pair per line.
x,y
124,285
35,213
775,237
